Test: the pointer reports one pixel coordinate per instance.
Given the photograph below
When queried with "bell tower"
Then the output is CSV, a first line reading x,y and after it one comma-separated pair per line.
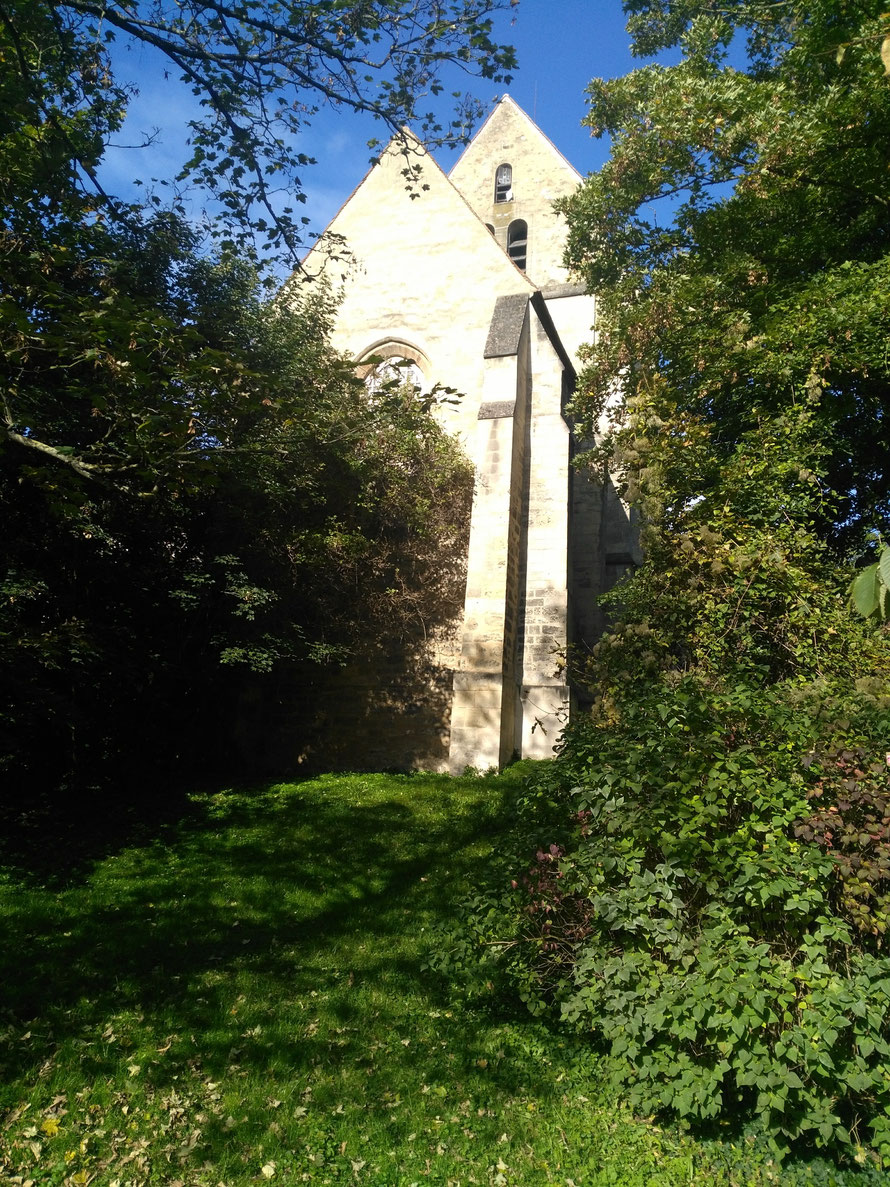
x,y
511,175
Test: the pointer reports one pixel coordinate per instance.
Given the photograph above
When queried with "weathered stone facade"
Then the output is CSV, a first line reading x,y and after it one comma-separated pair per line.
x,y
463,276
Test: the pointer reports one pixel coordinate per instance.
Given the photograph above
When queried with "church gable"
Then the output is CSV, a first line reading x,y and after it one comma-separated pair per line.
x,y
424,275
458,281
511,174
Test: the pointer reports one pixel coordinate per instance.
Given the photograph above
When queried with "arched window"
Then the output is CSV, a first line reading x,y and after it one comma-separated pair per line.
x,y
391,364
490,227
517,242
394,372
503,184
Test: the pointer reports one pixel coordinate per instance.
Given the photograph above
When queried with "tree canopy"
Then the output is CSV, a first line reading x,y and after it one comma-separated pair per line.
x,y
259,72
738,237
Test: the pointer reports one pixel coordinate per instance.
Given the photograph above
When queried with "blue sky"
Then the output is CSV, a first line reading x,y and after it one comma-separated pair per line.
x,y
561,45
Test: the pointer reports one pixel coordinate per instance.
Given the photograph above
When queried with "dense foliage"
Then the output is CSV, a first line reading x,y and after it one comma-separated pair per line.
x,y
738,238
196,491
238,515
710,888
709,895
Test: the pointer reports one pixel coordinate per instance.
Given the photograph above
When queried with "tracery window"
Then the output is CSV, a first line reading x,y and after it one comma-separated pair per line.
x,y
503,184
394,363
394,370
517,242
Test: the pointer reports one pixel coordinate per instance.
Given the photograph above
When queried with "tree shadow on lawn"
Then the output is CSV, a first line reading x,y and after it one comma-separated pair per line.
x,y
311,895
52,839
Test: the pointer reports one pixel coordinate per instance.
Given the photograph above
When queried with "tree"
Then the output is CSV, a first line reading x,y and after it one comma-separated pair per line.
x,y
764,282
710,895
193,484
260,70
144,605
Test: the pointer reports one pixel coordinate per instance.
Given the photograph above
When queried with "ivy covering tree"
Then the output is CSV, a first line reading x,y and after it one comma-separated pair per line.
x,y
196,492
711,893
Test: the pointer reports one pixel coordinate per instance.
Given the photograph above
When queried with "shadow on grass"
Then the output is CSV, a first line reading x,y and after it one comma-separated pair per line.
x,y
54,840
277,900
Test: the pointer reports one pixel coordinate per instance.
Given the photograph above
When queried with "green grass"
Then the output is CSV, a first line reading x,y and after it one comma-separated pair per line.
x,y
243,1000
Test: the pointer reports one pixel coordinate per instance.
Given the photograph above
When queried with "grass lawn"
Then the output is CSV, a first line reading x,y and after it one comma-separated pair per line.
x,y
243,1001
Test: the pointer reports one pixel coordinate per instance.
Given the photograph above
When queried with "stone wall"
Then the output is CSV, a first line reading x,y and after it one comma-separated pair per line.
x,y
423,271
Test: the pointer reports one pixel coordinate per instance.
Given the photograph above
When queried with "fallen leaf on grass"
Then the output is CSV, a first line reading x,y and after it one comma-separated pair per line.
x,y
269,1170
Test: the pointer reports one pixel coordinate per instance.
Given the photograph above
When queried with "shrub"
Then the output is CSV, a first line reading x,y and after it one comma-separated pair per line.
x,y
852,824
697,916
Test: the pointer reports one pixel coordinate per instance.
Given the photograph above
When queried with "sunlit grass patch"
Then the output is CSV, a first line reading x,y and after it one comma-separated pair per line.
x,y
243,1001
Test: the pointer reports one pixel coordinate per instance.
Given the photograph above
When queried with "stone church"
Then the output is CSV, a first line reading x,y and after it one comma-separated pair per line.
x,y
459,278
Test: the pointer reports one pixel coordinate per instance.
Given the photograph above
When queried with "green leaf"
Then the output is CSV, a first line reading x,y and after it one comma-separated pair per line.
x,y
864,591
